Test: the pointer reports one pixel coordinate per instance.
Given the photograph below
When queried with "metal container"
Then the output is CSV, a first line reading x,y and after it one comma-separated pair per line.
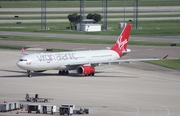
x,y
34,107
4,107
49,108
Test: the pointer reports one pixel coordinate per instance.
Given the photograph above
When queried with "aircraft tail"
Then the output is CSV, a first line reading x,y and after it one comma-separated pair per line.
x,y
121,44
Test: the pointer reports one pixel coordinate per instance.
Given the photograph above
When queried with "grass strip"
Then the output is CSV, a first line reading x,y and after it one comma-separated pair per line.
x,y
65,17
169,63
68,4
146,28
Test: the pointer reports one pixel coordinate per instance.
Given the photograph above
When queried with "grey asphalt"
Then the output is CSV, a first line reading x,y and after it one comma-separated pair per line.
x,y
168,39
122,90
139,51
136,89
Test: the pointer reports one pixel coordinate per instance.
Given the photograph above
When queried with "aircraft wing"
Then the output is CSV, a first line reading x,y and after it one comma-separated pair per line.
x,y
114,61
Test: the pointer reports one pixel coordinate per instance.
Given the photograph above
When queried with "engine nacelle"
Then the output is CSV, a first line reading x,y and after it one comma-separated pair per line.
x,y
86,70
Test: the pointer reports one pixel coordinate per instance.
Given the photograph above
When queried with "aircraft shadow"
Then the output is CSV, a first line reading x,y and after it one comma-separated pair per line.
x,y
71,74
12,71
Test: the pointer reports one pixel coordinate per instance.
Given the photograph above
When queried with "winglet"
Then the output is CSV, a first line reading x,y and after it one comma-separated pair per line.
x,y
165,57
22,50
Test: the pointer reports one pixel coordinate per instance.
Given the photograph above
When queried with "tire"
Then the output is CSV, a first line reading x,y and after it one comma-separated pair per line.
x,y
60,72
29,75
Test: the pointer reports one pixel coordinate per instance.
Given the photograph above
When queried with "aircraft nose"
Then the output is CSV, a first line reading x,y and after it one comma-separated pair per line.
x,y
20,64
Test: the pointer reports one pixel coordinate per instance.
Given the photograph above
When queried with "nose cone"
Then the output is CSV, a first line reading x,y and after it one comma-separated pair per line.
x,y
21,65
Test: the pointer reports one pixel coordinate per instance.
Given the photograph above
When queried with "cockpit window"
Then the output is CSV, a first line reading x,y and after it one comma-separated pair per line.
x,y
23,60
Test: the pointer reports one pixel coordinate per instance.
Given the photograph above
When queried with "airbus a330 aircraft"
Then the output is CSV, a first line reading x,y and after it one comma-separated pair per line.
x,y
81,61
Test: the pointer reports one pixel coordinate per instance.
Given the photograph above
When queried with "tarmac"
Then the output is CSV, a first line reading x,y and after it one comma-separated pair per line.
x,y
136,89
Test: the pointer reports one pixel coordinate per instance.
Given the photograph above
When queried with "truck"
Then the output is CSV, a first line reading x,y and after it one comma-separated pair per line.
x,y
34,97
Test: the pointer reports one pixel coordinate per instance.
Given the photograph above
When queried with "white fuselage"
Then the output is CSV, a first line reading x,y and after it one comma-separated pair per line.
x,y
64,60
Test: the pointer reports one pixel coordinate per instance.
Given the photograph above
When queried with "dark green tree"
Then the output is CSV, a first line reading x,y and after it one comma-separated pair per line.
x,y
96,17
74,19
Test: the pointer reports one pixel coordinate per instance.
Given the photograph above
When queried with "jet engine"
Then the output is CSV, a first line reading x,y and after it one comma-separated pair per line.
x,y
86,70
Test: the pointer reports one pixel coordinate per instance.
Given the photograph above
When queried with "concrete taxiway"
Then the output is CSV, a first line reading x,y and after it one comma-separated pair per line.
x,y
115,89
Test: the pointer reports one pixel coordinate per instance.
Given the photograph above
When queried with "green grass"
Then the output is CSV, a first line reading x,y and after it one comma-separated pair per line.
x,y
62,4
170,63
65,17
147,28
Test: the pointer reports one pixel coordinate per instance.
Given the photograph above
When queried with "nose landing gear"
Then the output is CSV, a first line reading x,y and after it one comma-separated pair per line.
x,y
29,73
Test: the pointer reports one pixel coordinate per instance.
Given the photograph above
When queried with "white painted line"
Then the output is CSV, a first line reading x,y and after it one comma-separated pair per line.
x,y
167,110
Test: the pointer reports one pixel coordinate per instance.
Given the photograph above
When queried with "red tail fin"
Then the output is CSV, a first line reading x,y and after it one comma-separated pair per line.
x,y
121,44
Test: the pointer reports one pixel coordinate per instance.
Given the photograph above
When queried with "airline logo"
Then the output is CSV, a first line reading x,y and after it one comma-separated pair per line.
x,y
121,44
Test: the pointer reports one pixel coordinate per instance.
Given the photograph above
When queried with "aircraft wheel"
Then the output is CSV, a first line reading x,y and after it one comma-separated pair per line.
x,y
29,73
60,72
63,72
67,72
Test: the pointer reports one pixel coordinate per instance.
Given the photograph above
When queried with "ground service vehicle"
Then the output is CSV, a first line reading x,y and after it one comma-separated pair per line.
x,y
34,97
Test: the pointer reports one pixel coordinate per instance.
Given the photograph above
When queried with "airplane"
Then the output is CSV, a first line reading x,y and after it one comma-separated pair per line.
x,y
84,62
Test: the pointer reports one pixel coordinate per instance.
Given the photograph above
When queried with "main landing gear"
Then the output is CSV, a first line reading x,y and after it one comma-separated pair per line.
x,y
63,72
29,73
92,74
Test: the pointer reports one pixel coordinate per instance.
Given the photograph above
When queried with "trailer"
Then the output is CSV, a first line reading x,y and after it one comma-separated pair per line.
x,y
81,111
49,108
34,97
11,106
34,107
4,107
16,105
66,109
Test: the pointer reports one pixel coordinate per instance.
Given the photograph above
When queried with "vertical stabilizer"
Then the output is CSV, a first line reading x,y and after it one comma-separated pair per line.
x,y
121,44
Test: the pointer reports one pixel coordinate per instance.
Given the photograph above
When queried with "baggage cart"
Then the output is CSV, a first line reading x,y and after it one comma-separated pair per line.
x,y
49,108
34,107
4,107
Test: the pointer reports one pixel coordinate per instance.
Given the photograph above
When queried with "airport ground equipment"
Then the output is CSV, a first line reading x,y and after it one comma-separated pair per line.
x,y
17,105
34,107
34,97
4,107
10,106
66,109
49,108
81,111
